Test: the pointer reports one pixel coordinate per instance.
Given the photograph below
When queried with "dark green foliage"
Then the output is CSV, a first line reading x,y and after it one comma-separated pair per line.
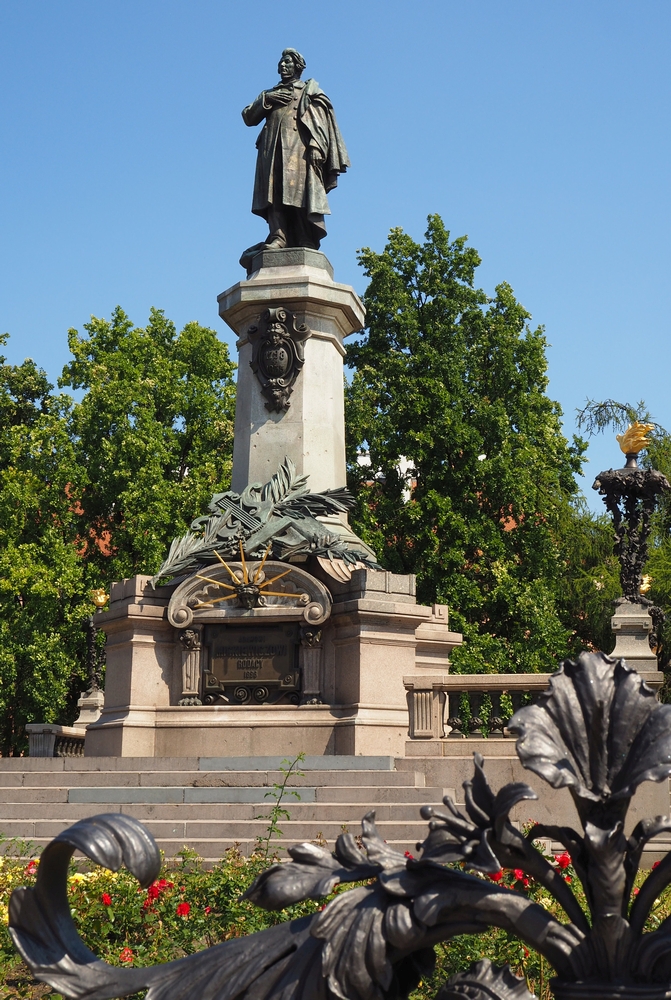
x,y
94,491
42,577
455,383
155,431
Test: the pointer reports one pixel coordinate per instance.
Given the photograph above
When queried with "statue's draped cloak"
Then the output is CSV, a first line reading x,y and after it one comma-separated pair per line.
x,y
284,175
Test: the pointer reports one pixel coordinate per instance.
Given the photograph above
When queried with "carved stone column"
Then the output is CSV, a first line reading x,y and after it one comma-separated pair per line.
x,y
426,707
192,651
310,659
290,297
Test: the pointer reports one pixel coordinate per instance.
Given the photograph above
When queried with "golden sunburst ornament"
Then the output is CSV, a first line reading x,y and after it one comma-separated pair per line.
x,y
249,589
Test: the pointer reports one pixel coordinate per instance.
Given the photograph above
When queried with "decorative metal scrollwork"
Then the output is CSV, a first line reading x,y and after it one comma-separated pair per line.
x,y
597,731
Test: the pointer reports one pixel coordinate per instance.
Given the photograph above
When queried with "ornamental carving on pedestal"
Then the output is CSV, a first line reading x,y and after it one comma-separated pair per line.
x,y
277,355
261,589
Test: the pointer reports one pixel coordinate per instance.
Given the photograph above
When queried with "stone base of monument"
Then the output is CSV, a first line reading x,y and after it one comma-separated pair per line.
x,y
322,672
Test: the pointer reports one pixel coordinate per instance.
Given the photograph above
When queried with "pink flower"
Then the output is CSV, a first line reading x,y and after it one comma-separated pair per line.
x,y
183,909
31,868
208,909
636,891
126,955
106,899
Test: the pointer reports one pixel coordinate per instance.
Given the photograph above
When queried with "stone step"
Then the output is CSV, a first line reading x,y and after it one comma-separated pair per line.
x,y
209,810
294,831
460,747
396,793
99,764
220,812
326,763
197,778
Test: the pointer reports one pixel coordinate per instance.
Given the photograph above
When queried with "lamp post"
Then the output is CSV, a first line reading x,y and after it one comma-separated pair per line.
x,y
630,495
93,657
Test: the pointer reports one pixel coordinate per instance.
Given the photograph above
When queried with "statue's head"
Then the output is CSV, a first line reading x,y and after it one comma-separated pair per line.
x,y
291,64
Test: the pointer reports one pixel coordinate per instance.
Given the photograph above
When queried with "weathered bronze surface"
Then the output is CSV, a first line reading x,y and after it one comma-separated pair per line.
x,y
278,355
630,495
279,517
252,664
300,155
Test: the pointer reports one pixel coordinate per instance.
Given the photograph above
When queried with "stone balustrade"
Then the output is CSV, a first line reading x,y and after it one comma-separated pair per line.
x,y
55,741
475,705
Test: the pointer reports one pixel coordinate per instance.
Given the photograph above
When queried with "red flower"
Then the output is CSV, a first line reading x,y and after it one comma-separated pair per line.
x,y
409,855
567,878
636,891
153,892
563,860
208,909
126,955
497,876
183,909
106,899
654,864
164,884
519,874
31,868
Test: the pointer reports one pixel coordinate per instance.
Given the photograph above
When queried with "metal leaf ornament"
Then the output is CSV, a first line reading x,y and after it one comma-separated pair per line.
x,y
282,514
598,731
484,981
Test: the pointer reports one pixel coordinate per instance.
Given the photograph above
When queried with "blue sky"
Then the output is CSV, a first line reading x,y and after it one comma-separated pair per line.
x,y
540,129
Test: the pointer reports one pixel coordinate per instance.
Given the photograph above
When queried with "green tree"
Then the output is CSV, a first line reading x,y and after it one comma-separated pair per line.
x,y
95,490
42,577
154,430
454,383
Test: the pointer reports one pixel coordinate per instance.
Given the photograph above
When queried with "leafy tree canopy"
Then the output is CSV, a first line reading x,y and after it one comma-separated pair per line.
x,y
452,384
93,491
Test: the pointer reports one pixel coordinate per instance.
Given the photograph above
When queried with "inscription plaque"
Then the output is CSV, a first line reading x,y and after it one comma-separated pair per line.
x,y
252,664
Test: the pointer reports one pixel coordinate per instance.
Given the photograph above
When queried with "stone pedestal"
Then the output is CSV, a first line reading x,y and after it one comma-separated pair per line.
x,y
311,431
632,626
176,683
353,666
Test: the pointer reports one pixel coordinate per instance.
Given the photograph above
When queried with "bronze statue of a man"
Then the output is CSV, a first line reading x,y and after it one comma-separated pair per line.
x,y
301,153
